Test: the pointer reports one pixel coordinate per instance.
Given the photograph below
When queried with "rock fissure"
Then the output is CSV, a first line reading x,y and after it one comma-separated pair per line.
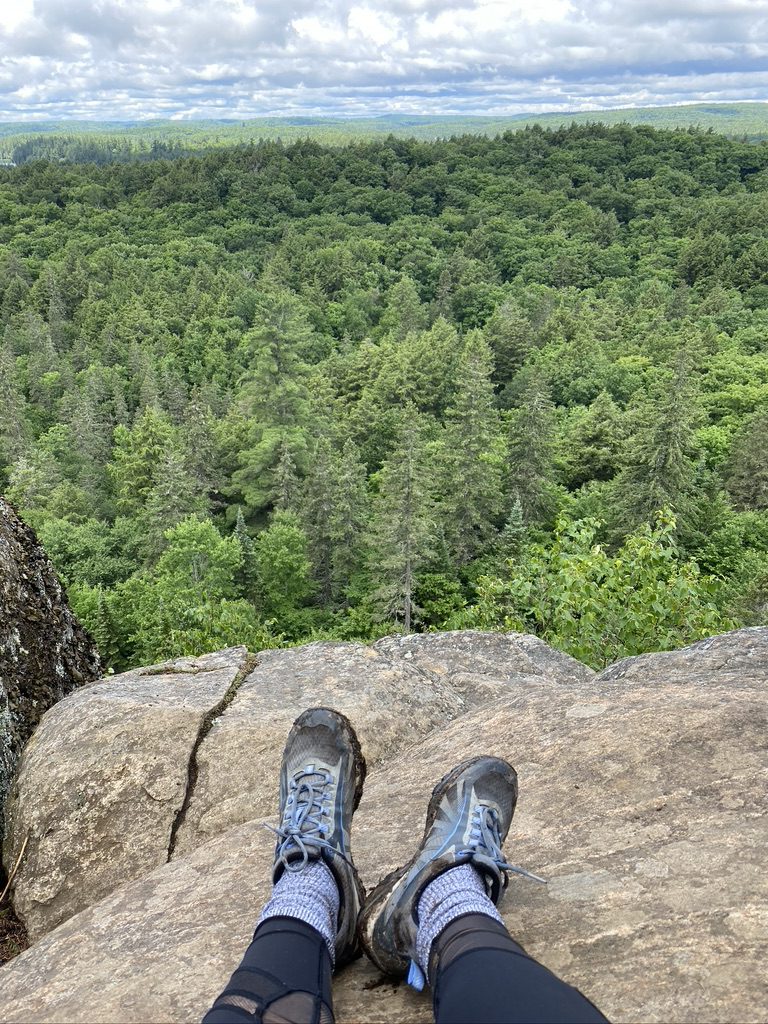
x,y
250,663
174,670
647,819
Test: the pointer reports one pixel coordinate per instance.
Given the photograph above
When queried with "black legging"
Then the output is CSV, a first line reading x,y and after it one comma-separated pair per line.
x,y
479,975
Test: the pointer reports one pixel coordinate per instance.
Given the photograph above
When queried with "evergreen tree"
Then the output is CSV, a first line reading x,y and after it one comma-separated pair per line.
x,y
274,387
473,494
748,467
14,430
104,632
404,313
92,431
594,443
202,450
318,514
349,517
172,499
659,463
248,575
511,340
403,523
531,468
275,395
334,513
56,312
512,536
43,362
136,455
286,479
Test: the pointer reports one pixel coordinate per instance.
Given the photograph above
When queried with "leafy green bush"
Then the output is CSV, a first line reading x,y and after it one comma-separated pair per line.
x,y
596,606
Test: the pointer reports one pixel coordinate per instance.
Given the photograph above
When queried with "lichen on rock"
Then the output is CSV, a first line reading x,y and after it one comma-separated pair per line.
x,y
44,651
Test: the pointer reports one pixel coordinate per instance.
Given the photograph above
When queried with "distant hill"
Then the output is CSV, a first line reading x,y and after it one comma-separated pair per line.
x,y
81,141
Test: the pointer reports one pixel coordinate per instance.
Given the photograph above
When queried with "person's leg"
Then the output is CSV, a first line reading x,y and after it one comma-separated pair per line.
x,y
436,917
309,923
285,975
480,975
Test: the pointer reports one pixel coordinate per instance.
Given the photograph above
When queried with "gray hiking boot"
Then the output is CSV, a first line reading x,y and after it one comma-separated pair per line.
x,y
321,782
467,821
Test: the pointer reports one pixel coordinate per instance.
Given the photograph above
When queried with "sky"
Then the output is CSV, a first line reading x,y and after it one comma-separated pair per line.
x,y
186,59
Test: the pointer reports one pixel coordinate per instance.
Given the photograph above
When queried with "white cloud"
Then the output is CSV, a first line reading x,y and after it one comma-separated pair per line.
x,y
147,58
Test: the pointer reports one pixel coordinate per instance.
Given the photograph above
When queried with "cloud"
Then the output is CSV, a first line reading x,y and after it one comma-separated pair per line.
x,y
135,59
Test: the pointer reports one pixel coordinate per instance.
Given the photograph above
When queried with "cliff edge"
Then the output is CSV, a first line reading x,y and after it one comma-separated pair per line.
x,y
642,800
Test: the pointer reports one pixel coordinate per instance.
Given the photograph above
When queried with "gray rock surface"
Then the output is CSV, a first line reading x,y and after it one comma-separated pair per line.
x,y
103,781
643,800
44,651
391,702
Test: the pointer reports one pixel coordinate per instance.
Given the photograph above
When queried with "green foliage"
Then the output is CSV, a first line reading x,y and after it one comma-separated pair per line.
x,y
281,391
284,572
748,471
596,606
403,527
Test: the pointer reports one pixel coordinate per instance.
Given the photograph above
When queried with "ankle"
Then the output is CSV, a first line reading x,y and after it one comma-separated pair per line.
x,y
456,893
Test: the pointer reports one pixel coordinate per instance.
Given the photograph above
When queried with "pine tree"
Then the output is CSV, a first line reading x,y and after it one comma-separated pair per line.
x,y
136,454
511,340
173,498
103,630
14,430
404,312
57,313
334,513
275,395
659,463
286,479
318,511
274,389
349,518
512,535
403,524
92,429
203,451
247,576
594,448
531,449
271,470
473,494
747,479
44,362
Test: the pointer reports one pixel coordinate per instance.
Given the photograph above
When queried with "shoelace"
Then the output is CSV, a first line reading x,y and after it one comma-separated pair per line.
x,y
303,816
485,837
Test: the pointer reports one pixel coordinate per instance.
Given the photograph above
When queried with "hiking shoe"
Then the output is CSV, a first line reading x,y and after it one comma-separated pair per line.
x,y
321,782
468,819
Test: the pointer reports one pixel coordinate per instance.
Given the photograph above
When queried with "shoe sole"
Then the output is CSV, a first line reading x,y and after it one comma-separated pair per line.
x,y
382,891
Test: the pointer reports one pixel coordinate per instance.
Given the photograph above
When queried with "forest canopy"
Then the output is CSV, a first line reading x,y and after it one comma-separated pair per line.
x,y
275,393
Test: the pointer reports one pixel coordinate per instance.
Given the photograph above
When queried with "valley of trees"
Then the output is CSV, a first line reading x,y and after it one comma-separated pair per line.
x,y
277,393
103,142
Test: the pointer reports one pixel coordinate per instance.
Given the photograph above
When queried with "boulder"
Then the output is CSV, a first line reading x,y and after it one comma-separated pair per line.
x,y
391,702
44,651
103,781
642,800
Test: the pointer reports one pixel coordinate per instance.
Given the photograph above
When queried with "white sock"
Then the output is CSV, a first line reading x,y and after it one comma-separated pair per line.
x,y
458,891
310,895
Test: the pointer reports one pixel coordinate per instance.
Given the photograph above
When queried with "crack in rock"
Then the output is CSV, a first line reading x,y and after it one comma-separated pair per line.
x,y
206,725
